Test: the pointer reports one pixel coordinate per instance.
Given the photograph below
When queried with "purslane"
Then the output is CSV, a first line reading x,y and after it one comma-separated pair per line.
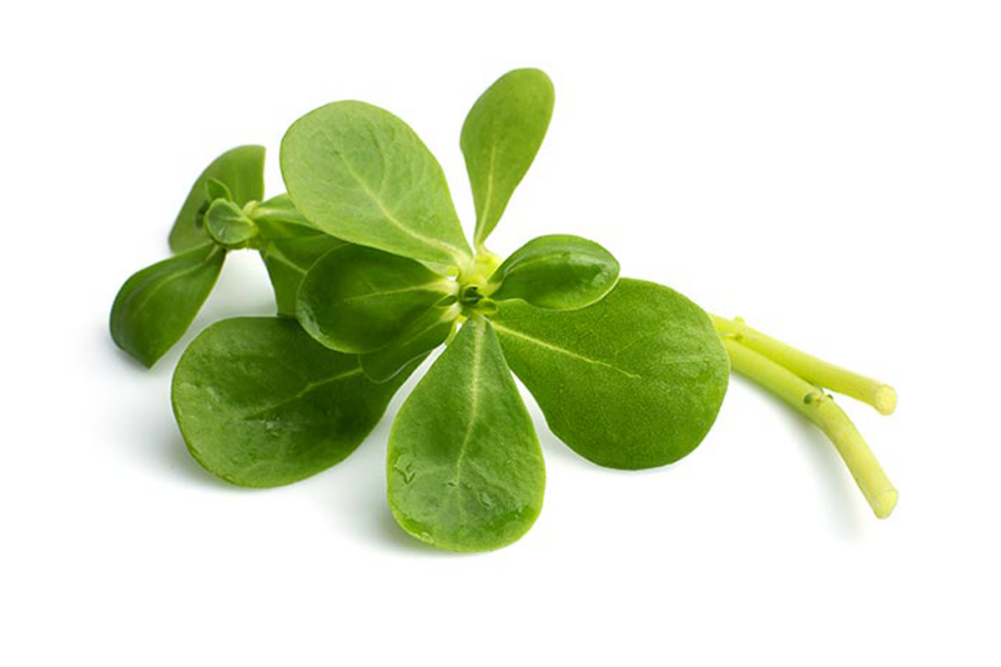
x,y
372,272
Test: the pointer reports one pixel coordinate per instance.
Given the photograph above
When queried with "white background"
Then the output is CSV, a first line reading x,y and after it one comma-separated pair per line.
x,y
830,171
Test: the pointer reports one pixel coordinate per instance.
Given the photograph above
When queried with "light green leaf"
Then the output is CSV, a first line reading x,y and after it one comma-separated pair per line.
x,y
262,404
465,467
289,251
241,170
633,381
216,189
361,174
156,306
500,138
558,272
228,225
279,209
358,299
424,334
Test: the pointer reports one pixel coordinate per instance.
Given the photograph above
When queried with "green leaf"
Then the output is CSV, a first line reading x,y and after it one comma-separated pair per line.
x,y
288,253
558,272
500,138
465,467
358,299
361,174
157,305
228,225
424,334
633,381
216,189
241,170
279,209
262,404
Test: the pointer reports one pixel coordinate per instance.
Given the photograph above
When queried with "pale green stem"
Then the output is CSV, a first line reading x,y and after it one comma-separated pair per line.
x,y
825,413
880,396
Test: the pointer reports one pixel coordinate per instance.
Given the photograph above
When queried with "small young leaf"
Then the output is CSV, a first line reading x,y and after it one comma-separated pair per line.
x,y
216,189
465,467
558,272
424,334
500,138
228,225
633,381
241,170
157,305
361,174
290,251
358,299
262,404
279,209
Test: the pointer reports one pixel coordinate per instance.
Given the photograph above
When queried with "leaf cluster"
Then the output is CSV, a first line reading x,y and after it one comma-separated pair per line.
x,y
372,272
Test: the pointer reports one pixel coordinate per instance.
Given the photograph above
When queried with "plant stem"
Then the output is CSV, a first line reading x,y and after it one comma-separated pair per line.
x,y
825,413
877,394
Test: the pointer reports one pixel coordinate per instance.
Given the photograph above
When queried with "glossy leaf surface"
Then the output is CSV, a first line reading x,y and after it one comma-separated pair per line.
x,y
290,251
500,139
419,338
241,170
156,305
262,404
465,467
558,272
361,174
357,299
633,381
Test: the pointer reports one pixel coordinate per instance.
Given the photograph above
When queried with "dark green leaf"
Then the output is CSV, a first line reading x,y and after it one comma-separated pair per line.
x,y
500,138
418,339
633,381
358,299
262,404
157,305
465,467
228,225
559,272
241,170
360,173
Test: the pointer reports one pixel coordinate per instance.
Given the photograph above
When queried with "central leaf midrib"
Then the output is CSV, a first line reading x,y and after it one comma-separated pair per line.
x,y
474,391
449,249
307,388
564,351
426,287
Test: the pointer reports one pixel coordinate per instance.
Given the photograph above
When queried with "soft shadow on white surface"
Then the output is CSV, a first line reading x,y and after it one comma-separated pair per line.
x,y
839,490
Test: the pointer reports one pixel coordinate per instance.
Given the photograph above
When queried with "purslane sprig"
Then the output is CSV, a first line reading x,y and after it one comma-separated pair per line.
x,y
223,212
367,254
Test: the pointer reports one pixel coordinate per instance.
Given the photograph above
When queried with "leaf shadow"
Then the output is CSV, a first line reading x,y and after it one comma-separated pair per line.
x,y
835,482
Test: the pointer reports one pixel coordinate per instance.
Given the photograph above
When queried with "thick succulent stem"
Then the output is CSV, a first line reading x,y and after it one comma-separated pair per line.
x,y
821,409
880,396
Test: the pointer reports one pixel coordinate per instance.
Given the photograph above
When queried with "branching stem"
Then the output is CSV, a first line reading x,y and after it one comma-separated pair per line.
x,y
821,409
880,396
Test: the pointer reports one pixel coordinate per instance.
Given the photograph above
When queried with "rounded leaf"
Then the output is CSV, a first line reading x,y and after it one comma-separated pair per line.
x,y
228,225
465,468
156,306
634,381
262,404
357,299
361,174
500,138
558,272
